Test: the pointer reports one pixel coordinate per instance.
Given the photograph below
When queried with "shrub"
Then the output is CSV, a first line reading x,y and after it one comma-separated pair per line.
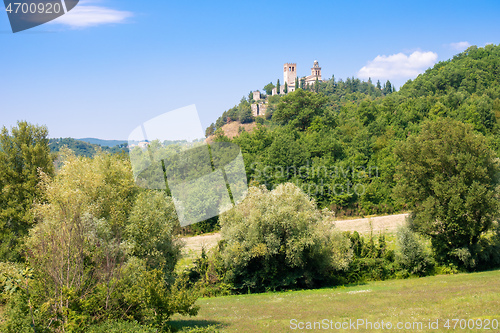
x,y
120,326
412,255
99,254
278,239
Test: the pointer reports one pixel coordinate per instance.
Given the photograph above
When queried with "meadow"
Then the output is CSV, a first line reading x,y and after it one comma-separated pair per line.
x,y
424,300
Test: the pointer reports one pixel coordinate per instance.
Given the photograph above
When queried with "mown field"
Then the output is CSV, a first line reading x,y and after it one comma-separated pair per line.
x,y
463,296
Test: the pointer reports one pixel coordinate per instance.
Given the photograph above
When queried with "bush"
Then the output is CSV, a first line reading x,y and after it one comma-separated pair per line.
x,y
412,255
120,326
99,252
278,239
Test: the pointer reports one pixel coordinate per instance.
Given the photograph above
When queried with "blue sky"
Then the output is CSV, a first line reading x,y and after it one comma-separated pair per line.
x,y
108,66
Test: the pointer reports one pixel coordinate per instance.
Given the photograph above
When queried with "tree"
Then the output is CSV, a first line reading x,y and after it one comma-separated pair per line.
x,y
296,83
379,87
299,108
387,88
269,88
244,112
448,176
278,87
210,130
278,239
316,85
24,152
101,252
285,90
245,115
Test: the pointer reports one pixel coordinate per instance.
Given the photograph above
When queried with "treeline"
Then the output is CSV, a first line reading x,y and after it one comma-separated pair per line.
x,y
82,148
352,89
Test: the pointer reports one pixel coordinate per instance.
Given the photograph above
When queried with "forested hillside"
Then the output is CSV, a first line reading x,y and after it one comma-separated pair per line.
x,y
90,244
338,143
83,148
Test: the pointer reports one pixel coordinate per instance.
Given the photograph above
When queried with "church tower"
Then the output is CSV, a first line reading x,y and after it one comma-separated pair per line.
x,y
315,74
316,70
289,75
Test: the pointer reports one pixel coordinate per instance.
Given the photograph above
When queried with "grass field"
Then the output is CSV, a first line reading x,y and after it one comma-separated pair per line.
x,y
463,296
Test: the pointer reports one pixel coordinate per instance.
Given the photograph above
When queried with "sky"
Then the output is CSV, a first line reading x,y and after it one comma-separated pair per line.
x,y
109,66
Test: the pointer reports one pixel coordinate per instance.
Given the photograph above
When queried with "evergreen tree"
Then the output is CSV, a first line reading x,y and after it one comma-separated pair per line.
x,y
387,87
296,83
285,90
278,86
379,86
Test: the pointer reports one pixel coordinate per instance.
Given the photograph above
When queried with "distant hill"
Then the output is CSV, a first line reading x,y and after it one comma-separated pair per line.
x,y
104,143
83,148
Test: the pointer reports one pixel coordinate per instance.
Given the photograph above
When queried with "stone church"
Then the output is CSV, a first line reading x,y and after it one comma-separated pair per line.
x,y
259,106
290,74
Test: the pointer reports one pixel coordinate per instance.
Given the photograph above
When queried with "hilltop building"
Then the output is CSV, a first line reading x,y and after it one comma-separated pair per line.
x,y
290,75
259,106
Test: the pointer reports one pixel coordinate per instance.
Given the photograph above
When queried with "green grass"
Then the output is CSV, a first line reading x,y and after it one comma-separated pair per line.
x,y
463,296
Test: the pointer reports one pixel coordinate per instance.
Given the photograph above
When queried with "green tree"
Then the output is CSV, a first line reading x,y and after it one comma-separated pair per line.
x,y
299,108
387,87
379,86
448,176
269,88
285,90
278,239
245,112
278,87
210,130
97,253
24,152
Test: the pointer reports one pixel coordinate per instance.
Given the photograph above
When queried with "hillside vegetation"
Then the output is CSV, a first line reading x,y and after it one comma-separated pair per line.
x,y
344,137
86,247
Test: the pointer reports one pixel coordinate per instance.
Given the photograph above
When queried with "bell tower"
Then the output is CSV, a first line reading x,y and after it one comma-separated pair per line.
x,y
316,70
289,75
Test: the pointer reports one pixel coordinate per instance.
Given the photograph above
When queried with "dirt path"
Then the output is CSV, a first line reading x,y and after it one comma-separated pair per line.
x,y
387,224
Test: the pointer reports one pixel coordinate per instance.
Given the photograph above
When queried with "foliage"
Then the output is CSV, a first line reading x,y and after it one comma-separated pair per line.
x,y
150,231
278,239
100,251
24,151
299,108
269,88
84,148
412,255
448,176
120,326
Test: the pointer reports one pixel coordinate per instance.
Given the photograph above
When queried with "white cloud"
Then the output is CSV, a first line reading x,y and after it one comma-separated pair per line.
x,y
84,15
398,65
460,46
